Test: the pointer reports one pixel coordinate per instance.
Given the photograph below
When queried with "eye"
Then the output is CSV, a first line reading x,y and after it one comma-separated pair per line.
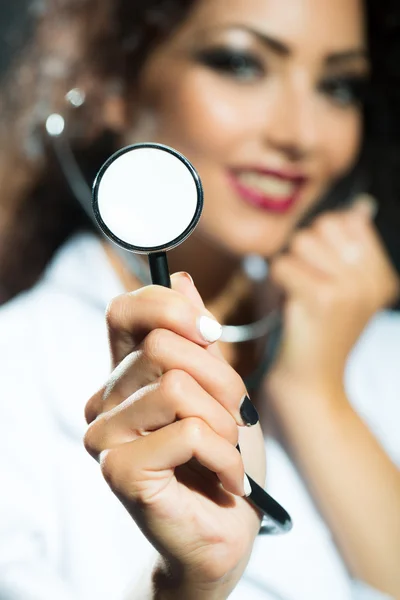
x,y
345,91
236,63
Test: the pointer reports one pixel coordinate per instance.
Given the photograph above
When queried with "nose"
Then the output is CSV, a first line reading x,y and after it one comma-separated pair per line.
x,y
291,126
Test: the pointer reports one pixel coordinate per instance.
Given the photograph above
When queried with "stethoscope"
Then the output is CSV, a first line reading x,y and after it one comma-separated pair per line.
x,y
148,198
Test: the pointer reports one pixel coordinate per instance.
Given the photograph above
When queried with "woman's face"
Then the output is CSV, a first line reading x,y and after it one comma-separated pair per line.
x,y
262,97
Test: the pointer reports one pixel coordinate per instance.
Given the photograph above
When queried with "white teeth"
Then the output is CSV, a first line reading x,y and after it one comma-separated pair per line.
x,y
267,184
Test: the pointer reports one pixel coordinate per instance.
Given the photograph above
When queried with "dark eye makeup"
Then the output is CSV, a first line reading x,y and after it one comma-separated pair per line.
x,y
245,66
239,64
345,90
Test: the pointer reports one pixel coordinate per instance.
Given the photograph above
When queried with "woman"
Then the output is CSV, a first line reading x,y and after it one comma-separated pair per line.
x,y
264,98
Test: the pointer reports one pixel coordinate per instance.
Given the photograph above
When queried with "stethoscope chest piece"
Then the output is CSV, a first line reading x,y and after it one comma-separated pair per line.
x,y
148,198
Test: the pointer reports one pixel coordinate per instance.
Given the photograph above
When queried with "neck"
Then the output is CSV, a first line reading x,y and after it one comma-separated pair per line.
x,y
227,292
198,252
229,295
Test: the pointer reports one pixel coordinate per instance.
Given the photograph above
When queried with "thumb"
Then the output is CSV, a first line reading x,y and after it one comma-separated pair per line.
x,y
366,206
183,283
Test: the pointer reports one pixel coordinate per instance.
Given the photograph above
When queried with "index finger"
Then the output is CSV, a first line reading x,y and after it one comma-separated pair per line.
x,y
131,316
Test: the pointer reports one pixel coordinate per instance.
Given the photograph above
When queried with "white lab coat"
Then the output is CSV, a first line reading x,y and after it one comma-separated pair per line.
x,y
63,534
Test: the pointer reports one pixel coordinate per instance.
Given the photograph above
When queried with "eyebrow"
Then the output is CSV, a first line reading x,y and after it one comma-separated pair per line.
x,y
346,56
284,50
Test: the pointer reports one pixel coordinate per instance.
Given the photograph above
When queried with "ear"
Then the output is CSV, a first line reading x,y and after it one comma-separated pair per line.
x,y
115,112
124,115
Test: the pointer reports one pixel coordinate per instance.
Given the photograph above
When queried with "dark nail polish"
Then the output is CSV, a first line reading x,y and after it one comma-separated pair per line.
x,y
248,412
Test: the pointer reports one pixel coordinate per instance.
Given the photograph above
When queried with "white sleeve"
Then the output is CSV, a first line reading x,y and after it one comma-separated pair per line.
x,y
28,525
373,384
33,582
361,591
373,380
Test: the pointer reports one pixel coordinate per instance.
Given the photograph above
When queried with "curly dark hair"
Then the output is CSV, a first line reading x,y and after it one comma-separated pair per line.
x,y
114,41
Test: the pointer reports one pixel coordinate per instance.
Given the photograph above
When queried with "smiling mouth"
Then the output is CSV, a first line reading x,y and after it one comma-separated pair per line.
x,y
271,191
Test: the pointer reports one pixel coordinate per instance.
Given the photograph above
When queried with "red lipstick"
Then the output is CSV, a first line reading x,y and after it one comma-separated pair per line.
x,y
254,196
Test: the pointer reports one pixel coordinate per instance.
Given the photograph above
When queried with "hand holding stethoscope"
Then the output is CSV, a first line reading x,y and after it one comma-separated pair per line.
x,y
148,198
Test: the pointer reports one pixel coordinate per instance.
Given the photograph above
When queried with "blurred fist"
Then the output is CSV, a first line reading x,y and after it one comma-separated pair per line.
x,y
335,276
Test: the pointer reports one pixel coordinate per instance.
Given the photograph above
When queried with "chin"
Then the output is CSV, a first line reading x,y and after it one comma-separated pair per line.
x,y
241,234
265,243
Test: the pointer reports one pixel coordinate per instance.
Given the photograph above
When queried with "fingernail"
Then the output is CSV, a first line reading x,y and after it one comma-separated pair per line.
x,y
209,329
248,412
247,486
187,275
366,204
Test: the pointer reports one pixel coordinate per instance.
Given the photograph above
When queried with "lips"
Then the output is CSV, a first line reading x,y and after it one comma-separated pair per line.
x,y
273,191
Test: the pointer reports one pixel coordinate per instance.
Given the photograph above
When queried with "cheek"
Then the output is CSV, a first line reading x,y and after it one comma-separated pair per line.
x,y
199,116
342,144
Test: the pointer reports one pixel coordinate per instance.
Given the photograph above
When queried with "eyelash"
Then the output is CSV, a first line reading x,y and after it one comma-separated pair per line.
x,y
345,91
238,64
